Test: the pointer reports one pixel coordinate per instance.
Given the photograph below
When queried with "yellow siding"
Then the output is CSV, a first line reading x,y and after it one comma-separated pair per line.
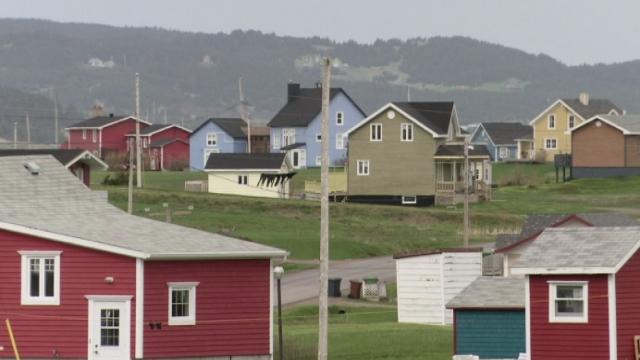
x,y
337,183
541,132
227,183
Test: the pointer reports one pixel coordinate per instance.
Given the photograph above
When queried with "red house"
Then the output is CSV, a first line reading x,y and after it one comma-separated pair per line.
x,y
102,134
80,279
165,146
582,295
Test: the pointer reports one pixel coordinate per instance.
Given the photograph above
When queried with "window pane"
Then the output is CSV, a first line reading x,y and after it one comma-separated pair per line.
x,y
180,303
34,287
49,266
569,307
569,292
109,327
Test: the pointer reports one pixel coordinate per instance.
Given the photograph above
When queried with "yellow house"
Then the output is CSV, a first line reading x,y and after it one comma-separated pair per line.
x,y
260,175
551,129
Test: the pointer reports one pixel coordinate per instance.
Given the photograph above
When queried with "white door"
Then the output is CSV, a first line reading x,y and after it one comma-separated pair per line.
x,y
299,158
109,328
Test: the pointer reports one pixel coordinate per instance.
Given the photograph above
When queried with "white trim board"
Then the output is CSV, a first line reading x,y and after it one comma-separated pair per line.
x,y
139,320
115,121
559,101
598,117
613,313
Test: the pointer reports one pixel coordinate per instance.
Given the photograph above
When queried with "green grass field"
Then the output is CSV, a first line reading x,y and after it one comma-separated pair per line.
x,y
362,333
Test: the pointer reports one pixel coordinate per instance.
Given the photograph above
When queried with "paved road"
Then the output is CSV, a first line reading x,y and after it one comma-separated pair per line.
x,y
301,286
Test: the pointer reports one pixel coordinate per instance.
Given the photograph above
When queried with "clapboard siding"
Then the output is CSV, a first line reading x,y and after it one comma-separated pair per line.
x,y
628,307
232,308
43,331
427,282
490,334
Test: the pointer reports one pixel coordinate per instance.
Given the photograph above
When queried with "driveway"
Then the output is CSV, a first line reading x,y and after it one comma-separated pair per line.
x,y
302,286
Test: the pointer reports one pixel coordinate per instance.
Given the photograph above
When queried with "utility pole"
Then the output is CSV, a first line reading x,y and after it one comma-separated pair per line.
x,y
244,113
409,93
323,310
28,125
138,147
55,117
15,135
465,234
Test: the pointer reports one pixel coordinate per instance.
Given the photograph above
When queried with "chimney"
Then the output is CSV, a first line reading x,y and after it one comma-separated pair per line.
x,y
584,98
293,90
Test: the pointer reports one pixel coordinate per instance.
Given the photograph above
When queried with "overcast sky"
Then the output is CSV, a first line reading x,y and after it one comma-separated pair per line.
x,y
572,31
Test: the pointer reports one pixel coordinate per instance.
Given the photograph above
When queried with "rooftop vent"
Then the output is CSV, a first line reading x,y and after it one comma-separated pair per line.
x,y
32,168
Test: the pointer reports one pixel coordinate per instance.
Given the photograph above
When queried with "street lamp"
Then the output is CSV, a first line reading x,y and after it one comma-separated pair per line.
x,y
465,231
278,272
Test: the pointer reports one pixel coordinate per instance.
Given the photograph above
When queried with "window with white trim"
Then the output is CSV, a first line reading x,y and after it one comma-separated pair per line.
x,y
212,139
84,134
409,200
318,160
339,141
571,121
504,152
406,132
243,179
375,132
182,303
569,302
318,137
340,118
288,136
145,142
363,168
40,277
94,136
551,121
275,142
550,144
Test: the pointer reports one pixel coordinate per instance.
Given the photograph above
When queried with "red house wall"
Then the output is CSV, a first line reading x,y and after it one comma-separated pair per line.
x,y
232,308
171,133
86,172
75,140
569,341
114,137
176,151
628,307
41,331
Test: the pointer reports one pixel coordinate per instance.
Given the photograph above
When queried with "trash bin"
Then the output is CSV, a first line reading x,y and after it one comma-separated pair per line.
x,y
355,289
334,287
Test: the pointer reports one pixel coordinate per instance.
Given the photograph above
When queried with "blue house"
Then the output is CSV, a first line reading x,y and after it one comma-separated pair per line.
x,y
295,129
505,141
216,135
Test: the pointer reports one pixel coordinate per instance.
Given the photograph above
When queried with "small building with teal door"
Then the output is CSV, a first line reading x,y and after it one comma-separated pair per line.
x,y
489,318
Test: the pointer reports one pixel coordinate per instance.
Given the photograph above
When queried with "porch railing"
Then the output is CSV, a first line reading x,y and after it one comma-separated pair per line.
x,y
446,186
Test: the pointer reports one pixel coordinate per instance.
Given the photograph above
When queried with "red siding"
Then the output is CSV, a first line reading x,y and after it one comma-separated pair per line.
x,y
86,171
569,341
628,307
75,140
232,309
41,331
114,137
175,153
171,133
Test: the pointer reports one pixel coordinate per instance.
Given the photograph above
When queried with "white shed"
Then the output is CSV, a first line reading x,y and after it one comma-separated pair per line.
x,y
428,280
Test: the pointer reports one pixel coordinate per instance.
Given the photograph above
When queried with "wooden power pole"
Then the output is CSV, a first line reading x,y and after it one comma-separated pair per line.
x,y
138,147
323,345
15,135
56,128
28,126
465,234
244,113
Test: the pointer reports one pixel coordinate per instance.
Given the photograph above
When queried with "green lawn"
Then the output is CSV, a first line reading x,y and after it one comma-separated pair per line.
x,y
362,333
163,180
522,173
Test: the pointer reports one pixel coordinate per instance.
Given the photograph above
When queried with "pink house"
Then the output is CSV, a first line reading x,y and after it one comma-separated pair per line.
x,y
79,278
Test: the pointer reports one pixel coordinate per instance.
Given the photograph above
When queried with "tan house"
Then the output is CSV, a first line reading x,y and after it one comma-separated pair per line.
x,y
411,153
552,128
606,145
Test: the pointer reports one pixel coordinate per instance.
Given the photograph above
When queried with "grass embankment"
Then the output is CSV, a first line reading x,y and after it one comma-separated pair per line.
x,y
362,333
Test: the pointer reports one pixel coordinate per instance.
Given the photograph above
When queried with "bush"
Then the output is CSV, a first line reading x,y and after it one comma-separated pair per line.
x,y
119,178
117,161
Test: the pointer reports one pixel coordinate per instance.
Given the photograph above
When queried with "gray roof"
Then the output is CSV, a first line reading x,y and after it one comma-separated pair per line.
x,y
163,142
506,133
55,202
458,150
293,146
245,161
434,115
595,107
631,123
578,250
536,223
98,121
232,126
491,292
64,156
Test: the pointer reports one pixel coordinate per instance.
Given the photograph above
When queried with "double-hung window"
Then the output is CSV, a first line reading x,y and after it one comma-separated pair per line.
x,y
406,132
375,132
569,301
212,139
182,303
551,121
571,121
275,143
550,144
288,136
504,152
339,141
242,179
339,118
94,136
84,134
363,168
40,277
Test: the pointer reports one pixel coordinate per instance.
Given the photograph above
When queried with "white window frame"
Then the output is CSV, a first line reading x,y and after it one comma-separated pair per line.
x,y
551,139
360,170
339,141
212,136
408,127
145,142
553,317
276,142
84,134
504,152
243,180
318,137
407,201
571,118
373,132
94,136
551,117
340,118
319,160
183,320
25,293
288,136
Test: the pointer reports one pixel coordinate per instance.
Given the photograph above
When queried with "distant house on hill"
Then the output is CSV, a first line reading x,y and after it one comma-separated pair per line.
x,y
164,146
295,129
102,134
606,145
505,141
552,127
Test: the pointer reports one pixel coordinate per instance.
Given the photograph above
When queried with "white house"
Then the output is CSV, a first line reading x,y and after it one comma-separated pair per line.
x,y
428,280
261,175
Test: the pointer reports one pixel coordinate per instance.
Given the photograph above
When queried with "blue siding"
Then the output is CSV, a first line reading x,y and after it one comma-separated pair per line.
x,y
496,334
352,116
481,137
512,153
198,144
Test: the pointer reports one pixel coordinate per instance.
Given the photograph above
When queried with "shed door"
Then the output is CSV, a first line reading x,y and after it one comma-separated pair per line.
x,y
109,329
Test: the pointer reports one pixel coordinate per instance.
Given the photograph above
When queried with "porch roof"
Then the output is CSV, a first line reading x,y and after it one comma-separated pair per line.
x,y
457,151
